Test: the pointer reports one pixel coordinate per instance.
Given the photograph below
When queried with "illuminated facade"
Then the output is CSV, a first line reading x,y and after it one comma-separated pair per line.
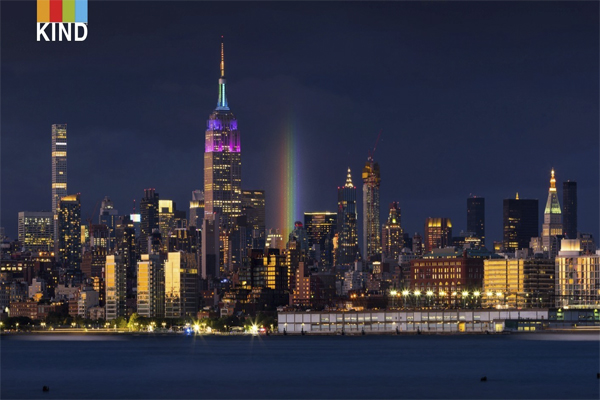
x,y
552,226
59,169
69,232
115,286
222,160
181,285
150,286
36,231
392,236
347,230
476,217
320,230
577,276
371,226
166,221
197,208
520,223
438,233
445,273
149,218
570,209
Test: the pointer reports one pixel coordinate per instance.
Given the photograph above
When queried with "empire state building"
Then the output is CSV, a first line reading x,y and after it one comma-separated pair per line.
x,y
222,160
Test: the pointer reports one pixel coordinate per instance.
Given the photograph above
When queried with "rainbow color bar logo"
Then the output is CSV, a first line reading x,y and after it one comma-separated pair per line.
x,y
59,20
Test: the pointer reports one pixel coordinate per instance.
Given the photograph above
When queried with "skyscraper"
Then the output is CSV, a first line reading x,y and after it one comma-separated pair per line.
x,y
320,229
476,217
438,233
108,216
59,169
253,206
371,225
69,232
552,226
116,302
222,160
570,209
149,218
36,231
392,237
347,223
520,223
197,208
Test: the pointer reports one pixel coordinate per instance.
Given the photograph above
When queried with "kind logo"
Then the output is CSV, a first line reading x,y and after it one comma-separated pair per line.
x,y
59,20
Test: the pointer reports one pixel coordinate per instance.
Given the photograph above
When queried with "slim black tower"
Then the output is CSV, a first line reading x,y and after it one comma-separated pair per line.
x,y
476,217
570,209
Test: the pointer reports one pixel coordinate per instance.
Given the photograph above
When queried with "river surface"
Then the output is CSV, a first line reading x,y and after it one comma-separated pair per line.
x,y
518,366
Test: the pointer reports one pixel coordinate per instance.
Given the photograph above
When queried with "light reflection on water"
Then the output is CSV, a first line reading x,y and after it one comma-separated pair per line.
x,y
299,367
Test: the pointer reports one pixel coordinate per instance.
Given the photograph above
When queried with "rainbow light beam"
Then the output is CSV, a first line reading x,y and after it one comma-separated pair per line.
x,y
289,211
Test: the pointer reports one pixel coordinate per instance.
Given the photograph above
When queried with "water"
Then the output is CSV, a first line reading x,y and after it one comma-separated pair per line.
x,y
540,366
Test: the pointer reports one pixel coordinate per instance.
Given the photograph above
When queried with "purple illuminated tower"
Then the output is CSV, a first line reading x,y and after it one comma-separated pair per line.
x,y
223,160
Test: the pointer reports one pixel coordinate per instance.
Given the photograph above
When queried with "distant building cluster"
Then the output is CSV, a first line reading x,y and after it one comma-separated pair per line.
x,y
161,261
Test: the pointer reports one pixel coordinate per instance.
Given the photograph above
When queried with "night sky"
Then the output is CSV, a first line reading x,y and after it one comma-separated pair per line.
x,y
472,98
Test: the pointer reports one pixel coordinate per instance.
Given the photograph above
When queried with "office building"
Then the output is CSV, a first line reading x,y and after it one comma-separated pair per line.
x,y
570,209
520,223
223,160
69,232
125,245
149,218
438,233
476,217
151,286
392,236
181,285
108,216
210,247
115,283
518,282
59,171
253,207
36,231
347,228
446,273
552,227
197,208
320,229
577,276
371,226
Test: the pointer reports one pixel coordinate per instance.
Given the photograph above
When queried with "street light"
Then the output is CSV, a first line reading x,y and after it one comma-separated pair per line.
x,y
465,296
476,294
429,294
442,295
417,294
405,294
393,293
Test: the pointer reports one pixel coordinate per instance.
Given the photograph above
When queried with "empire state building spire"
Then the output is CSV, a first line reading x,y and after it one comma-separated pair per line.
x,y
222,104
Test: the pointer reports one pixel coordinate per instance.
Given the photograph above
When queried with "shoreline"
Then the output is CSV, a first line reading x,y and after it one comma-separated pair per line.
x,y
588,330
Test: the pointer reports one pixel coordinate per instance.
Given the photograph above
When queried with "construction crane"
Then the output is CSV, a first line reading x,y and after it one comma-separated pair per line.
x,y
371,154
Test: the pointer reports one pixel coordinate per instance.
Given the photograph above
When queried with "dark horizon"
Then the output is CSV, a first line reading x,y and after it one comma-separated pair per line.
x,y
471,98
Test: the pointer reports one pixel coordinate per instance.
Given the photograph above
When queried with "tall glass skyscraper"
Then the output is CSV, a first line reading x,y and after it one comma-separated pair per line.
x,y
347,223
59,170
223,160
371,225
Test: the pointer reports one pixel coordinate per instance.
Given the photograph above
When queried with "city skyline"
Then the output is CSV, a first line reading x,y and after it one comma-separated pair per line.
x,y
415,181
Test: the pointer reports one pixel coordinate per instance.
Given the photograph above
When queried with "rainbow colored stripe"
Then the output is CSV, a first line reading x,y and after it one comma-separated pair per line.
x,y
289,209
62,11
